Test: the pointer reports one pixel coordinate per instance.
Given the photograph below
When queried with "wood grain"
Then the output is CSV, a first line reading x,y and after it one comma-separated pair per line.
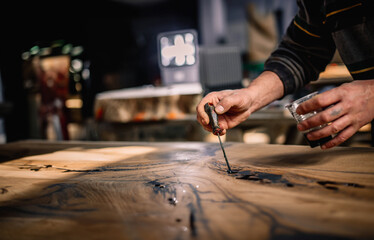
x,y
129,190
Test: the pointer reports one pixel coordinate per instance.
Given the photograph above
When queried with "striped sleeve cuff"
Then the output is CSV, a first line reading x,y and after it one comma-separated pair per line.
x,y
284,74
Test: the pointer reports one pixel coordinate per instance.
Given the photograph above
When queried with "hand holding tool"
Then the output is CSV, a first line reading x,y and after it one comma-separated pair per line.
x,y
213,121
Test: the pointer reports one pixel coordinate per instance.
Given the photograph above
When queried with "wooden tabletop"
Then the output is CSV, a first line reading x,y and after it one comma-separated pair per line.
x,y
181,190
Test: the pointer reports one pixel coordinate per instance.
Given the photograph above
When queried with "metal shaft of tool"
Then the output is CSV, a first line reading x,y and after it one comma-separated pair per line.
x,y
213,121
224,154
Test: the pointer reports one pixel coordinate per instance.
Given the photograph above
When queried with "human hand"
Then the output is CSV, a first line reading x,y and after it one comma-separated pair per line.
x,y
345,109
232,107
235,106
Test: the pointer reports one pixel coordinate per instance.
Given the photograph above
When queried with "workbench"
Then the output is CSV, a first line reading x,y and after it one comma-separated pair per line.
x,y
140,190
168,113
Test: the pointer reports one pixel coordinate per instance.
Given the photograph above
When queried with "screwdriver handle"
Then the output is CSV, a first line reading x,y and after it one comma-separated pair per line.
x,y
213,118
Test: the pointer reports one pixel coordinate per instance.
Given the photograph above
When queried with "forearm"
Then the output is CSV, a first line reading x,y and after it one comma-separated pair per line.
x,y
266,88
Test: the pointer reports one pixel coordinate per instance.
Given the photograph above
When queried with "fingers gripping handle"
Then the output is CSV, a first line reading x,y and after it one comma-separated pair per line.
x,y
213,118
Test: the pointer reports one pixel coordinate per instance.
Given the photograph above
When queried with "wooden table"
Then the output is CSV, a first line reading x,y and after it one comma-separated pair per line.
x,y
134,190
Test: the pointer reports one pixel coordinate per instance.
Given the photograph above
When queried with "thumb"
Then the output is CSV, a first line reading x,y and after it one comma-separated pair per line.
x,y
219,109
226,103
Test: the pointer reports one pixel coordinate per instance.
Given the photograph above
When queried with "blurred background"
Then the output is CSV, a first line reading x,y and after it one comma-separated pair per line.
x,y
134,70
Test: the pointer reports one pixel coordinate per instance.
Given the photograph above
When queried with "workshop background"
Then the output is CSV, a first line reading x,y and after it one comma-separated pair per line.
x,y
96,70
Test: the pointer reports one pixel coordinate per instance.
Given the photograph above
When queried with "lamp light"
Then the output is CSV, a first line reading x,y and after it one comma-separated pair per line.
x,y
178,56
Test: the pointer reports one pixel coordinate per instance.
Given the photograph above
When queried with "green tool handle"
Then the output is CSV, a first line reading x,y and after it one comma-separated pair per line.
x,y
213,118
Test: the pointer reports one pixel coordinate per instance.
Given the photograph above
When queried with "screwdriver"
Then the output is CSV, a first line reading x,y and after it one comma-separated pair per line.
x,y
213,121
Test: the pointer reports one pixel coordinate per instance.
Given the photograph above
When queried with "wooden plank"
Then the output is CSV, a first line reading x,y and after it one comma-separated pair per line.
x,y
124,190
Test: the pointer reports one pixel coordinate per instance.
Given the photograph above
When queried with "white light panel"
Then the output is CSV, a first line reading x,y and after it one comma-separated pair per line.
x,y
178,49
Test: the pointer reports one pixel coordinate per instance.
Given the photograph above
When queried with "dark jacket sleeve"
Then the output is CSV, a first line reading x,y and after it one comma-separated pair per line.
x,y
305,49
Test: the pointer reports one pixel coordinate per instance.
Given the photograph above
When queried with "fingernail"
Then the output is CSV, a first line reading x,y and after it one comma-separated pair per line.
x,y
309,138
219,109
300,127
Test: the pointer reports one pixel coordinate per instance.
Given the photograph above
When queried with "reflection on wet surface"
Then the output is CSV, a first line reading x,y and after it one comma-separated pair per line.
x,y
186,192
